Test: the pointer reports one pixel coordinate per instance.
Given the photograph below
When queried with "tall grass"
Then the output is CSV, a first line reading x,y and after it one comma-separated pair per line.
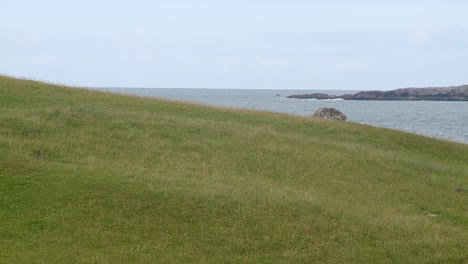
x,y
121,179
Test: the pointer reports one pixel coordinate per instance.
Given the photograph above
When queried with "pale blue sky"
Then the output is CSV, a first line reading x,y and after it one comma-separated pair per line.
x,y
263,44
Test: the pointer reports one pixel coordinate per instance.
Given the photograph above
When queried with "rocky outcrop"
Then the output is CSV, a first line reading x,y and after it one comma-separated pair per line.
x,y
453,93
458,93
314,96
329,113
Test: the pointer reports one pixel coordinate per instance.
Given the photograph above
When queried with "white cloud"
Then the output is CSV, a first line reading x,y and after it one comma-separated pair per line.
x,y
43,60
273,63
228,63
423,33
351,66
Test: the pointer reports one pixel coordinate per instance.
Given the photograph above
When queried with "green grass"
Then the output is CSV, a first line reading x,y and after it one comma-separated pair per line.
x,y
136,180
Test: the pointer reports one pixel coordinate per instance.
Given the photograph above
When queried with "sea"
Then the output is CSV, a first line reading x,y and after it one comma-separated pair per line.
x,y
442,120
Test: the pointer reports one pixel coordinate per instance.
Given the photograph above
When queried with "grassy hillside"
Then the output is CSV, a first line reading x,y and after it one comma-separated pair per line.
x,y
124,179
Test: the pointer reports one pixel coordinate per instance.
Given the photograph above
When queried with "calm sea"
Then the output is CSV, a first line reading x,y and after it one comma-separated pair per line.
x,y
445,120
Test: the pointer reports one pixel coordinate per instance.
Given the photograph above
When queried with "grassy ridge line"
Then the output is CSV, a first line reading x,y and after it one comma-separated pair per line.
x,y
128,179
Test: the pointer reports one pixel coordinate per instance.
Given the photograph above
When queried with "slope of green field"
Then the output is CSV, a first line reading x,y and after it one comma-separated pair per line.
x,y
89,177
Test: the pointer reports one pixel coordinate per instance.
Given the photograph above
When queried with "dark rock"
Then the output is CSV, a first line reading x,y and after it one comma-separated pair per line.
x,y
368,95
329,113
346,96
456,93
39,154
453,93
313,96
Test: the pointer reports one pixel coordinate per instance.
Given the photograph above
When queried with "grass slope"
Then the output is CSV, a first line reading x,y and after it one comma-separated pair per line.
x,y
127,179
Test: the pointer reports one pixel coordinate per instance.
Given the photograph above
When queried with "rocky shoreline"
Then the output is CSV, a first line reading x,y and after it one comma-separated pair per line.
x,y
453,93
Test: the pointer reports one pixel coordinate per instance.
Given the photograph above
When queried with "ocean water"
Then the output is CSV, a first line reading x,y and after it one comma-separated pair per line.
x,y
443,120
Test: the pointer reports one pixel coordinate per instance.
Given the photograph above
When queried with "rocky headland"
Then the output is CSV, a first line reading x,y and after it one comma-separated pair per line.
x,y
453,93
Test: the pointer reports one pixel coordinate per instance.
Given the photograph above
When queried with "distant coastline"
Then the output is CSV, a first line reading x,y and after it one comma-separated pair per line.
x,y
452,93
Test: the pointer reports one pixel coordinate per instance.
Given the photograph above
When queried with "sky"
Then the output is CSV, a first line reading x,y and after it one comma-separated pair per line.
x,y
247,44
